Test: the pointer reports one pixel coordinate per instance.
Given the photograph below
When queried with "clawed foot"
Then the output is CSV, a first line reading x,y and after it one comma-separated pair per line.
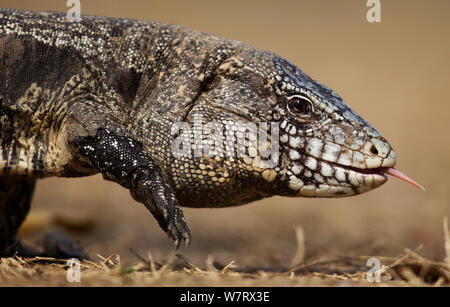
x,y
170,216
59,246
159,198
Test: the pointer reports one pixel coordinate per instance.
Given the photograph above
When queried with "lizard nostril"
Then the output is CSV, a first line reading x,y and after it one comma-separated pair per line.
x,y
374,150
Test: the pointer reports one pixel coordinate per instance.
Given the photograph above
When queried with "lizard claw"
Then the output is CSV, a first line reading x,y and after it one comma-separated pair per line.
x,y
159,198
177,228
187,239
177,244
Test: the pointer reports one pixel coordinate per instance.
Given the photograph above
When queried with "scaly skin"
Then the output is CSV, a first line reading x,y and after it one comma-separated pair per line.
x,y
103,95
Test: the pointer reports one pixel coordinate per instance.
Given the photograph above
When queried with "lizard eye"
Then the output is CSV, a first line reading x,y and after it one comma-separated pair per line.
x,y
299,105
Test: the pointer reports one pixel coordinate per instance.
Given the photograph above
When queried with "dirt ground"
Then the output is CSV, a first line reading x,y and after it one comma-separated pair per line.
x,y
394,73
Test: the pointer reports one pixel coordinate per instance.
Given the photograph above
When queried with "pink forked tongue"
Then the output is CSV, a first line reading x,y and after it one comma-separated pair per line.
x,y
396,173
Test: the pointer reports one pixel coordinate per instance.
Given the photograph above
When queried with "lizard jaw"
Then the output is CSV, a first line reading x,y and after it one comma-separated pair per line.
x,y
337,180
320,178
386,170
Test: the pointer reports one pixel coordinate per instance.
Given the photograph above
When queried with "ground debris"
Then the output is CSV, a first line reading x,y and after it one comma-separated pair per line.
x,y
407,269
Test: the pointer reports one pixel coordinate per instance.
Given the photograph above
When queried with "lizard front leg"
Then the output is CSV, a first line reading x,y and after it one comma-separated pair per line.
x,y
121,159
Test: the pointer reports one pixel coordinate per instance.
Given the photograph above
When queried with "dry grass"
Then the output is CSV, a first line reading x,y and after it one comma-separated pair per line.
x,y
409,269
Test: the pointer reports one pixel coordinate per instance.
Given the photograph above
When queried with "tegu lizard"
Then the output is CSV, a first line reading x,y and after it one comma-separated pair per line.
x,y
134,100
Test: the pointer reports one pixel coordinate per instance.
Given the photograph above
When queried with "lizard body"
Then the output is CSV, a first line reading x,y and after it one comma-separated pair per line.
x,y
103,95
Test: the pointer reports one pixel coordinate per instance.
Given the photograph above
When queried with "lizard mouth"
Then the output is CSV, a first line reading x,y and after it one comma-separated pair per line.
x,y
383,171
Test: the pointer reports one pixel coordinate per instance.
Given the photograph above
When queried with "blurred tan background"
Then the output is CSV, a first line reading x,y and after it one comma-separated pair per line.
x,y
396,74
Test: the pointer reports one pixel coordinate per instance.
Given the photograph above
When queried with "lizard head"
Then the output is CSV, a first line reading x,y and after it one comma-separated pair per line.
x,y
278,132
325,149
329,150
